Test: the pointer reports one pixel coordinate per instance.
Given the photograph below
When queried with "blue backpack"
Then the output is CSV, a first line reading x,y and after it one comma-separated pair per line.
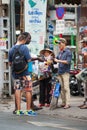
x,y
57,90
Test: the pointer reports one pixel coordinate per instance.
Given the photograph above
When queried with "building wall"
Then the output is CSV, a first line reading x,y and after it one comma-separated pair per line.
x,y
5,77
1,73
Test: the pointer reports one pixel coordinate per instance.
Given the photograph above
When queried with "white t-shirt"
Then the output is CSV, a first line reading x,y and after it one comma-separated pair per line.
x,y
84,50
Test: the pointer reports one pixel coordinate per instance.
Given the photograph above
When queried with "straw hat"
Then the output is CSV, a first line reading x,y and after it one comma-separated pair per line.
x,y
84,40
47,49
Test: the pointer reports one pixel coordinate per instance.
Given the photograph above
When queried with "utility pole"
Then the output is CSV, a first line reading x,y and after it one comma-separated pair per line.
x,y
12,22
22,15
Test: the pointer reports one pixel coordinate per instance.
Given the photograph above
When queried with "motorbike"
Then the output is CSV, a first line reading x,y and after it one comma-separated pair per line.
x,y
76,86
82,77
81,84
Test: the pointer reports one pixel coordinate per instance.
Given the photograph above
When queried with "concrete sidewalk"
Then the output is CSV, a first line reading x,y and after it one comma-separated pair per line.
x,y
73,111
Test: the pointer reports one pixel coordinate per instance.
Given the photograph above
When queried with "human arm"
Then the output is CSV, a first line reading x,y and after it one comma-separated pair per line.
x,y
37,58
61,61
64,58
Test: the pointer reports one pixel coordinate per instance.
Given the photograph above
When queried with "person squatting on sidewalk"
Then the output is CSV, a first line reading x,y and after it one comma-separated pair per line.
x,y
22,81
64,59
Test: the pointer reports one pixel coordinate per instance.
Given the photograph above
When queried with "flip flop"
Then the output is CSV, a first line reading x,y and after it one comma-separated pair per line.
x,y
83,107
66,107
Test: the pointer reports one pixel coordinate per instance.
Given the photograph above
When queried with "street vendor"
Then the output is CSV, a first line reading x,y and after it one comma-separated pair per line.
x,y
45,70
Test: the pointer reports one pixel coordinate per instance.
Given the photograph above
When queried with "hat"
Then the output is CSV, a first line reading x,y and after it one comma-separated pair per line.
x,y
47,49
63,40
83,40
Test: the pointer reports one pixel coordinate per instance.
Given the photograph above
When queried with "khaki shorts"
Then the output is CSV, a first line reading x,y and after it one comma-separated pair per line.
x,y
23,83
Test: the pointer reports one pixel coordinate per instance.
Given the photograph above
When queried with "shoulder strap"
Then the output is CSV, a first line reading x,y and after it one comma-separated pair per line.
x,y
18,47
15,50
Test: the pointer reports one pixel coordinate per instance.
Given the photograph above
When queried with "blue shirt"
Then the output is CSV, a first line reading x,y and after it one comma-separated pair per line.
x,y
24,49
64,55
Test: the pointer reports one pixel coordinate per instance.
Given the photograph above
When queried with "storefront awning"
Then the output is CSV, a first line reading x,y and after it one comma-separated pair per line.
x,y
68,2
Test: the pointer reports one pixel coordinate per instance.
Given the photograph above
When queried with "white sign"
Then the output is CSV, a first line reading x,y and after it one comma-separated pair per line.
x,y
3,43
60,26
5,1
70,30
35,23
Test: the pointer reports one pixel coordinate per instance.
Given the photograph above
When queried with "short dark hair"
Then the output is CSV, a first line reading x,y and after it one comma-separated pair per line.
x,y
26,34
28,37
21,37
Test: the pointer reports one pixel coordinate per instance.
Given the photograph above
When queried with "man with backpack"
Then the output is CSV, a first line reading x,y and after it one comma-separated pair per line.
x,y
19,57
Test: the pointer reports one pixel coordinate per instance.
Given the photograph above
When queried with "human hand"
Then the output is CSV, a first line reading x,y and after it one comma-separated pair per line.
x,y
55,60
40,59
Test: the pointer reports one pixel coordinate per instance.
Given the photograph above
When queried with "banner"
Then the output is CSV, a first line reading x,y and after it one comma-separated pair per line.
x,y
35,23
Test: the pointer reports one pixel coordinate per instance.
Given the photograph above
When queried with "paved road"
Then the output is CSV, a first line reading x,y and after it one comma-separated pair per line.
x,y
43,122
74,111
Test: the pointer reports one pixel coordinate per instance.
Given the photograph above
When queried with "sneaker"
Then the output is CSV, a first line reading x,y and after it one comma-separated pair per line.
x,y
19,112
30,113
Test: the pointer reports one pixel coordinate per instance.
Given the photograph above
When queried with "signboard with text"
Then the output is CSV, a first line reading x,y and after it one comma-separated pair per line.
x,y
35,23
60,26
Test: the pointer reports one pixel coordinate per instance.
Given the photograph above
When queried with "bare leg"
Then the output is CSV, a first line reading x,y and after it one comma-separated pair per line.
x,y
28,90
85,91
18,99
28,100
14,111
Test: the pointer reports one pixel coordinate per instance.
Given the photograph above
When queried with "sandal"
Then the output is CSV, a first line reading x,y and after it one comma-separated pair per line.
x,y
66,106
83,107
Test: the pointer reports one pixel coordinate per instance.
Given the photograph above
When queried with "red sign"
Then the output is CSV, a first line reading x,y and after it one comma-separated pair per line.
x,y
60,11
